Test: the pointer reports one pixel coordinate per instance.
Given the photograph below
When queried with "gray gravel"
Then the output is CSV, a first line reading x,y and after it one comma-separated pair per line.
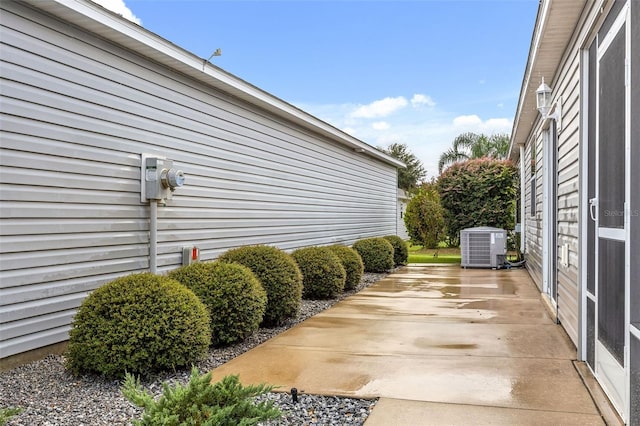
x,y
50,395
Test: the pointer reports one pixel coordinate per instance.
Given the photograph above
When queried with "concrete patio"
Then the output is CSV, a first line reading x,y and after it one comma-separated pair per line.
x,y
438,345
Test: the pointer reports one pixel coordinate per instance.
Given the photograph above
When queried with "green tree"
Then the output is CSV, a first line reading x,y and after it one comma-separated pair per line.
x,y
408,178
424,217
472,145
479,192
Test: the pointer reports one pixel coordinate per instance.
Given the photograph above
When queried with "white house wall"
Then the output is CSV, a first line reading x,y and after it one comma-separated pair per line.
x,y
568,200
566,86
77,113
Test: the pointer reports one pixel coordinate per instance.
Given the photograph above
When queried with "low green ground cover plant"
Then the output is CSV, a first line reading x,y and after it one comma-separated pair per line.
x,y
323,275
444,255
376,254
352,264
400,250
7,413
279,275
201,403
141,323
234,298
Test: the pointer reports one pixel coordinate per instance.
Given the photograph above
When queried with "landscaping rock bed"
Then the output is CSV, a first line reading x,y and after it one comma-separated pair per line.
x,y
48,394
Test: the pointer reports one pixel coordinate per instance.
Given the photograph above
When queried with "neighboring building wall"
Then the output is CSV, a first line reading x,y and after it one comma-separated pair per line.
x,y
401,228
77,112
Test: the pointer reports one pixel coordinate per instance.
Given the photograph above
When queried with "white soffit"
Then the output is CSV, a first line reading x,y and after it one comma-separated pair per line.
x,y
555,25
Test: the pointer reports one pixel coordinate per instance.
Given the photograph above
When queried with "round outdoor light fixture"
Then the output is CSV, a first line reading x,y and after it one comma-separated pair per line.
x,y
543,98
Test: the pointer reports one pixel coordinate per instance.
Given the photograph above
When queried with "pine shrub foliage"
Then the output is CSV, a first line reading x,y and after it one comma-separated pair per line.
x,y
201,403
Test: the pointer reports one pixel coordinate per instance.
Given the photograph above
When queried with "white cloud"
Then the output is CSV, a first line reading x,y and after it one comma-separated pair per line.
x,y
380,125
473,123
119,7
498,125
467,120
381,108
428,132
418,100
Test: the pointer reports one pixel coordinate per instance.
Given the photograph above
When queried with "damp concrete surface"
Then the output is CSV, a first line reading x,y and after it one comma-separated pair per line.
x,y
438,345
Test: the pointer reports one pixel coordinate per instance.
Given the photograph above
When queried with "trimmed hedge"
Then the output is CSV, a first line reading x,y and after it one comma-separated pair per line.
x,y
232,294
279,275
376,254
400,250
141,323
478,192
323,275
352,264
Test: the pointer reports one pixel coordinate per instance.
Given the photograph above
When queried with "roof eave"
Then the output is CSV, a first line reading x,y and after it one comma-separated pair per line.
x,y
554,28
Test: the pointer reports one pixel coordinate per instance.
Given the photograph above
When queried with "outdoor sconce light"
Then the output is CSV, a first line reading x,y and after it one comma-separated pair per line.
x,y
543,102
543,98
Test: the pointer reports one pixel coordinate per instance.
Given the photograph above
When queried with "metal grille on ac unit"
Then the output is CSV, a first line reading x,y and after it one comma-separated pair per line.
x,y
483,247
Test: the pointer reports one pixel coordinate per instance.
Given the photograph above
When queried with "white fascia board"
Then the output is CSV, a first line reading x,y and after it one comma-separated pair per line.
x,y
111,26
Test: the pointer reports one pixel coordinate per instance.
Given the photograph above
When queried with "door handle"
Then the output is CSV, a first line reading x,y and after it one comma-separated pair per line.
x,y
593,208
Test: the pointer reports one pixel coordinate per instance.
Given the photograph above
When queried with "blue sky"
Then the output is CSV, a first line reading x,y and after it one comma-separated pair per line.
x,y
413,72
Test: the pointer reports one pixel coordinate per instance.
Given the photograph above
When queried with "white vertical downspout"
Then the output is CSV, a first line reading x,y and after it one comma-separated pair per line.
x,y
523,180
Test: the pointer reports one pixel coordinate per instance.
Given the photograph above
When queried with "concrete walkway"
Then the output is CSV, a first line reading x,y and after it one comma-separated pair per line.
x,y
439,345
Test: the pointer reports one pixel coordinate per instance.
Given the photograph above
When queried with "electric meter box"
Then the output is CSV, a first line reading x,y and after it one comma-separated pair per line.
x,y
190,255
160,178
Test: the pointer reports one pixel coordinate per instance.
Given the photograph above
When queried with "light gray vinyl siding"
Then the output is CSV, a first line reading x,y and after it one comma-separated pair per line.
x,y
568,196
77,113
567,202
533,227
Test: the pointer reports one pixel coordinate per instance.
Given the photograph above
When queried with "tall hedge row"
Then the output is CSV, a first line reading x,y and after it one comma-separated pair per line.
x,y
478,192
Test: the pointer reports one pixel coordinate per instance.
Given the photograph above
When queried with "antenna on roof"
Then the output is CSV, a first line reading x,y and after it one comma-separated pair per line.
x,y
218,52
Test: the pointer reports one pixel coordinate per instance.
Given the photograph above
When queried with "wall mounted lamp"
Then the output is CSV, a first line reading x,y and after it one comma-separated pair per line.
x,y
359,150
544,105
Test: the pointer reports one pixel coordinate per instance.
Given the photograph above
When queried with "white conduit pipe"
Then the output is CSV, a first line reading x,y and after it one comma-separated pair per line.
x,y
153,236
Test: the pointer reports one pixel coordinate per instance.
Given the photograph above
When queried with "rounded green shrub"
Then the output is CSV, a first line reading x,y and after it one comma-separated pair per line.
x,y
232,294
400,250
323,275
376,254
352,264
279,275
140,323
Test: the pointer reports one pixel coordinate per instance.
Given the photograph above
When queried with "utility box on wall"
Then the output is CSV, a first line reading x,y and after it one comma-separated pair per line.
x,y
159,178
190,255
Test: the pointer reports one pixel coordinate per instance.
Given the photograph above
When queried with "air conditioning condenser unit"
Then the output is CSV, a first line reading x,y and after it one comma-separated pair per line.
x,y
483,247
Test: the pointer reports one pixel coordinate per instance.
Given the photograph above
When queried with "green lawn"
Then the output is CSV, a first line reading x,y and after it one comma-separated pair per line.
x,y
417,254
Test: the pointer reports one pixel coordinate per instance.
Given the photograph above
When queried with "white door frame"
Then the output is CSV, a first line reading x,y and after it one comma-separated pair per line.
x,y
549,215
616,380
